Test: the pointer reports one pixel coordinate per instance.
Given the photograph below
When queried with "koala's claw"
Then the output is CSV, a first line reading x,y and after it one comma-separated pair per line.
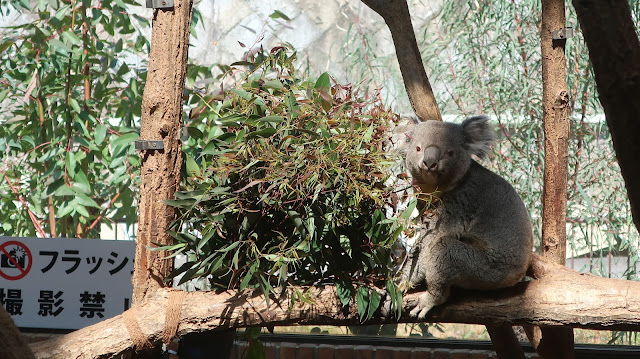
x,y
422,305
419,313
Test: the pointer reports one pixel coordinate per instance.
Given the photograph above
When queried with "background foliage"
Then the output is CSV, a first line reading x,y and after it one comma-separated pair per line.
x,y
484,57
71,100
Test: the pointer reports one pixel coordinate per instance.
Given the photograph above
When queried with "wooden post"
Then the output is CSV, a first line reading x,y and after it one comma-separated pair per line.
x,y
161,120
554,342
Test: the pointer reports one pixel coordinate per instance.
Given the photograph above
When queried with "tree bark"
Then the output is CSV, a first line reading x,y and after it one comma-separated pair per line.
x,y
555,99
559,297
614,50
555,342
161,168
161,120
12,344
396,14
505,342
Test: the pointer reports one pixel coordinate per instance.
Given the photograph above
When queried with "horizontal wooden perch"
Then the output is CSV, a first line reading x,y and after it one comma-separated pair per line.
x,y
558,297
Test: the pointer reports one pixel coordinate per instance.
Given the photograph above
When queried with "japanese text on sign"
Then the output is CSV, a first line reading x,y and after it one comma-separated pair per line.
x,y
64,283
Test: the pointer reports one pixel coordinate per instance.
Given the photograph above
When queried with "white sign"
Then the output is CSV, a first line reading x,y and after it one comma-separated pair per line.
x,y
64,283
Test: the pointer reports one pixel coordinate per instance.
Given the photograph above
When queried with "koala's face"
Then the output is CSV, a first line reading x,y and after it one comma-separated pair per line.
x,y
436,155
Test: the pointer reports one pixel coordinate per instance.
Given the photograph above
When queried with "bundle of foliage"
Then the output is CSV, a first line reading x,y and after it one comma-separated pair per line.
x,y
287,182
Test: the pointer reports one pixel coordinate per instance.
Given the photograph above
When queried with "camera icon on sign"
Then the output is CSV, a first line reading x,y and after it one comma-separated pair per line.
x,y
16,258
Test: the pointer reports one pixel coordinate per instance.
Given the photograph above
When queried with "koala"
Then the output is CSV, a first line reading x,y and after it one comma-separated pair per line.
x,y
476,234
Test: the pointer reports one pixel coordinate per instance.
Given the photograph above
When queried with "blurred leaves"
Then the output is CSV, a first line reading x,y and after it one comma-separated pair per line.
x,y
71,104
484,57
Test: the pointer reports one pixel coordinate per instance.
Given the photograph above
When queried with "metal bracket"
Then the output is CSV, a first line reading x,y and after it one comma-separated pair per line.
x,y
143,145
562,34
159,4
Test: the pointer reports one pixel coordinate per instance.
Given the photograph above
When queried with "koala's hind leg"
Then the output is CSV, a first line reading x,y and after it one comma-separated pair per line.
x,y
462,262
436,294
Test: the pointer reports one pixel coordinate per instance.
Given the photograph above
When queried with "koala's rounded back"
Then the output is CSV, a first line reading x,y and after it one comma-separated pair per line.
x,y
438,154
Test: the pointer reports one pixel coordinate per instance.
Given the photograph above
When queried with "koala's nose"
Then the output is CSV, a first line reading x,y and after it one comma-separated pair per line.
x,y
431,158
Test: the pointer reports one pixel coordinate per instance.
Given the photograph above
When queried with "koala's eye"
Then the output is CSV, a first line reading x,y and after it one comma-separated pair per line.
x,y
450,153
418,148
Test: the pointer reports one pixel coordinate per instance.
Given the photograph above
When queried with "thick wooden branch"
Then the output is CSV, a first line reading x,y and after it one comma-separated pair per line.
x,y
12,344
614,50
396,14
561,297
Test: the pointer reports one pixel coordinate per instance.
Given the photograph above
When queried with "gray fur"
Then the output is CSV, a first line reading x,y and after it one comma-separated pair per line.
x,y
479,235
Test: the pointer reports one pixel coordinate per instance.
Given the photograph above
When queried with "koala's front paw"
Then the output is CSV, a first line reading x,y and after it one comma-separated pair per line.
x,y
422,305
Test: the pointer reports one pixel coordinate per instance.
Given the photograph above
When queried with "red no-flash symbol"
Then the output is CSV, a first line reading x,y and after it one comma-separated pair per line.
x,y
15,260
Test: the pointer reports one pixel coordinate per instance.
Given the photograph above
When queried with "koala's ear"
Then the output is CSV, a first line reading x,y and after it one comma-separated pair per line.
x,y
478,135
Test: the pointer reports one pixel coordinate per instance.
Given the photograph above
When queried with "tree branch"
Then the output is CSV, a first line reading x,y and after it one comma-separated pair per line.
x,y
614,50
12,344
396,14
560,297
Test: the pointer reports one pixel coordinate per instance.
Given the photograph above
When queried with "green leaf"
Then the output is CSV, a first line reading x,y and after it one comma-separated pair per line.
x,y
64,191
84,200
374,303
277,14
395,295
81,210
75,105
180,203
59,46
249,96
256,350
65,210
247,278
272,119
100,133
183,268
362,302
81,184
229,247
267,132
194,132
71,163
323,82
5,45
71,37
125,139
192,167
273,84
343,290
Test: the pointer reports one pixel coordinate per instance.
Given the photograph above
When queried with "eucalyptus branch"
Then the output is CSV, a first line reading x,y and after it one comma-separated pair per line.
x,y
32,216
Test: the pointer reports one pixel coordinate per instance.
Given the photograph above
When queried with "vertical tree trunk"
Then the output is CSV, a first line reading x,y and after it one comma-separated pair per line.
x,y
614,50
554,342
161,120
396,14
